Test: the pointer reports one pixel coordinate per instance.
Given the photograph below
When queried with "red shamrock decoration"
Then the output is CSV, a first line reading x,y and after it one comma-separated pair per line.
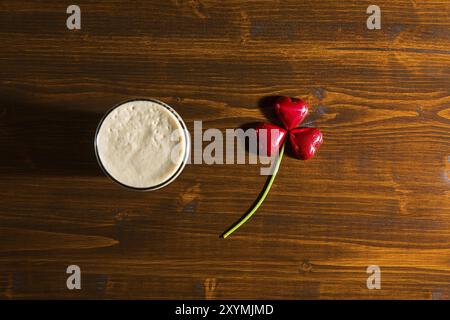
x,y
291,112
271,139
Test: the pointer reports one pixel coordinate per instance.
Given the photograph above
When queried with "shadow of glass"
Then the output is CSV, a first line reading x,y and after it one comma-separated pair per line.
x,y
41,140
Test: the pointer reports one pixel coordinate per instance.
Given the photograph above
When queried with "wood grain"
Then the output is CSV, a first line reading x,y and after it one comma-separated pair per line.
x,y
376,194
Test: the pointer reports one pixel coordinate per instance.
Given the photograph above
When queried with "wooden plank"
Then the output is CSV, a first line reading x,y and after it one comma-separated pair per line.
x,y
376,194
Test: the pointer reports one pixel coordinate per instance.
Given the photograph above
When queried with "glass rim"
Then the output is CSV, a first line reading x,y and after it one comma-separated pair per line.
x,y
177,171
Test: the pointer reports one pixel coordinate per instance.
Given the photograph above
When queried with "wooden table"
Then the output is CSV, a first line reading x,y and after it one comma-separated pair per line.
x,y
377,193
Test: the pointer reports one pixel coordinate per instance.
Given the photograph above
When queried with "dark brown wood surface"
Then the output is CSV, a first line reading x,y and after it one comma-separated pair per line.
x,y
376,194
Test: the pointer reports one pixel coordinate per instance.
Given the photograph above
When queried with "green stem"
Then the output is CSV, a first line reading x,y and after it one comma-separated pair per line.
x,y
263,196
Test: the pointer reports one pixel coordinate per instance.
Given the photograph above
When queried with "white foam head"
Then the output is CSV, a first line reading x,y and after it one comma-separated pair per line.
x,y
142,144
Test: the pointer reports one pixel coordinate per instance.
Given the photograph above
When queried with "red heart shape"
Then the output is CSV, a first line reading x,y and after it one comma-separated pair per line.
x,y
291,111
305,142
271,139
